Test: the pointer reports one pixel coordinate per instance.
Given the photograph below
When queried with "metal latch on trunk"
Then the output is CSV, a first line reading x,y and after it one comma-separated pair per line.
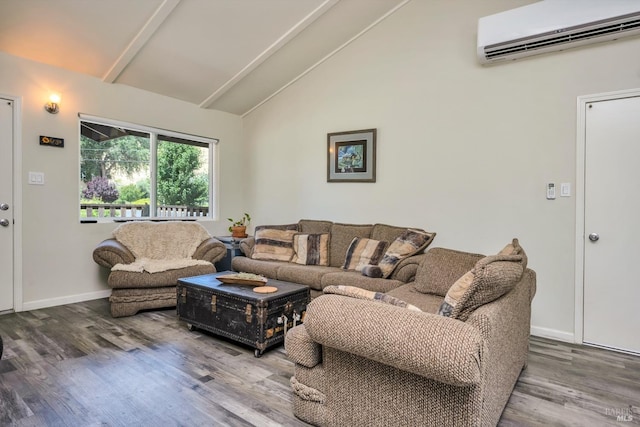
x,y
288,308
285,320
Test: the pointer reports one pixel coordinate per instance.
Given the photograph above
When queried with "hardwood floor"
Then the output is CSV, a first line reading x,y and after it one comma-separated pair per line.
x,y
74,365
571,385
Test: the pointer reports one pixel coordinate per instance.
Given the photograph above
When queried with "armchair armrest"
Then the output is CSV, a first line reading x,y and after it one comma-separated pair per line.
x,y
436,347
111,252
211,250
301,348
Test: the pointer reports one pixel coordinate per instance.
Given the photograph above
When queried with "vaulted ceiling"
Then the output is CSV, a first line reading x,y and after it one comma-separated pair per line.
x,y
228,55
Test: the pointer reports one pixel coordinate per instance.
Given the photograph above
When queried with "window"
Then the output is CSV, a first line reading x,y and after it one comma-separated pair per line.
x,y
133,171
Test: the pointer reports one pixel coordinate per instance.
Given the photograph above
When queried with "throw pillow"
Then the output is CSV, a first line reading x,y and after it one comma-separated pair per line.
x,y
273,244
514,248
407,244
363,252
441,268
311,249
359,293
372,271
341,237
491,278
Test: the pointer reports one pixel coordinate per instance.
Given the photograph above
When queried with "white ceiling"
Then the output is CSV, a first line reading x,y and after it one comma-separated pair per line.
x,y
228,55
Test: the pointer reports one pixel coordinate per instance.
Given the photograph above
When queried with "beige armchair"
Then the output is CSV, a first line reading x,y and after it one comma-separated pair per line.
x,y
146,260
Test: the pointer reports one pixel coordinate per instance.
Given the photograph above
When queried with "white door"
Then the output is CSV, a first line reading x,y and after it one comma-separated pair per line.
x,y
612,224
6,204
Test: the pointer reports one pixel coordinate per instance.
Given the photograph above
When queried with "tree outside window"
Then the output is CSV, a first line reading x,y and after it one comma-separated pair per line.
x,y
182,173
117,164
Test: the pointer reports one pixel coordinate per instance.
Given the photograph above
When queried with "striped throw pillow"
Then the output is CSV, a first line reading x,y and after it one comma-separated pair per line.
x,y
363,252
311,249
273,244
407,244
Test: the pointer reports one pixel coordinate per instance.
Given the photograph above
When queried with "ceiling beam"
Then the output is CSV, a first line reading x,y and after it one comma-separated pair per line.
x,y
286,37
138,42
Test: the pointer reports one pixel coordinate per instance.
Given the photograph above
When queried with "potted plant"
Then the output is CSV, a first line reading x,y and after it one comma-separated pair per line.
x,y
238,228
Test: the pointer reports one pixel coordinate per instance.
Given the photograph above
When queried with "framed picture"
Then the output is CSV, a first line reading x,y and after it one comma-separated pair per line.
x,y
351,156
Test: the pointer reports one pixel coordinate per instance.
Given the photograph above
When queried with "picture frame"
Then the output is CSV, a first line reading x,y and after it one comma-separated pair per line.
x,y
351,156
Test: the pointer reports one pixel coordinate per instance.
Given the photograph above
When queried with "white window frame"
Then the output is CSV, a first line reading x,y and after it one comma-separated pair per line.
x,y
153,140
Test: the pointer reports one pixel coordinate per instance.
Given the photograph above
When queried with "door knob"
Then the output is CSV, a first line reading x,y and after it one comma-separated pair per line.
x,y
4,206
594,237
4,222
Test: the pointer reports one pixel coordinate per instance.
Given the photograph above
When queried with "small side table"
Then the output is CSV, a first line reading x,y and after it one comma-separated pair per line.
x,y
233,250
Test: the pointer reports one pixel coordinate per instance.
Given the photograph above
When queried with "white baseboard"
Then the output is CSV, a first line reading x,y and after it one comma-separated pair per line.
x,y
70,299
553,334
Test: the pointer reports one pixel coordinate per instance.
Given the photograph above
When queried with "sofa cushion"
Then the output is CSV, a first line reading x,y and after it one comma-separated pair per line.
x,y
310,275
314,226
341,237
388,233
124,279
428,303
293,226
362,252
441,268
311,249
355,292
273,244
264,268
491,278
161,240
408,243
158,265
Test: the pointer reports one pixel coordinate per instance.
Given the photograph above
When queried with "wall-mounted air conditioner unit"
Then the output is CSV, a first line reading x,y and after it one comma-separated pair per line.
x,y
552,25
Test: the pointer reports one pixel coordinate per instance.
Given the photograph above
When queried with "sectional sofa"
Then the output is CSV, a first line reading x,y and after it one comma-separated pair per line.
x,y
320,253
445,349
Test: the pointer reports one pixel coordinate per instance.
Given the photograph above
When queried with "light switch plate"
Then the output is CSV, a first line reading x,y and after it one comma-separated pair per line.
x,y
565,189
36,178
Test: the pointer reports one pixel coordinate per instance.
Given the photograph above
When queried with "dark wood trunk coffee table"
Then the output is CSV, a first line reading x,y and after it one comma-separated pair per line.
x,y
240,314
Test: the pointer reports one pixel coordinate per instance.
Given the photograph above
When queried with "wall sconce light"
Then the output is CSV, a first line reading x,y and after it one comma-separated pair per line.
x,y
53,106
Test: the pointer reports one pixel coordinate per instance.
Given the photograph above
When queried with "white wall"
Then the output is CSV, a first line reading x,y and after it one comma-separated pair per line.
x,y
463,150
56,249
